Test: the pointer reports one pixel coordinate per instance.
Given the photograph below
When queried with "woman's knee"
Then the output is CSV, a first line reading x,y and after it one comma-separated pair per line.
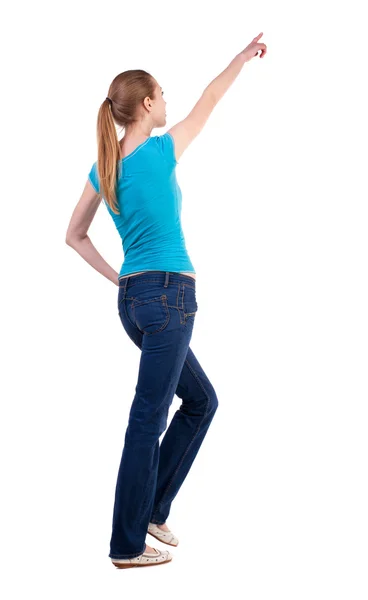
x,y
212,400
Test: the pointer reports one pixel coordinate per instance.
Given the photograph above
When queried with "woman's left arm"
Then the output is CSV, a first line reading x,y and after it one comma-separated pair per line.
x,y
86,249
76,235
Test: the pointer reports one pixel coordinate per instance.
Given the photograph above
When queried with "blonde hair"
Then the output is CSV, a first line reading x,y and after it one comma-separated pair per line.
x,y
126,92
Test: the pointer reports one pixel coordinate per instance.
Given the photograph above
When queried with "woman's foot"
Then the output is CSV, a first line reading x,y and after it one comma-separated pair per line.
x,y
164,527
150,550
163,533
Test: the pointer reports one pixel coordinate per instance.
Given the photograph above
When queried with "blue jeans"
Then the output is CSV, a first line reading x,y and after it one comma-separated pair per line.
x,y
157,310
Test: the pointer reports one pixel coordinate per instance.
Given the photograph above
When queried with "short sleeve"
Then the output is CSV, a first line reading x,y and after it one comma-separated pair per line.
x,y
167,148
93,177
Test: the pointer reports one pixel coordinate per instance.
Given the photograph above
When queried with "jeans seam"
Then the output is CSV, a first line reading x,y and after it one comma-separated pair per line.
x,y
126,313
194,435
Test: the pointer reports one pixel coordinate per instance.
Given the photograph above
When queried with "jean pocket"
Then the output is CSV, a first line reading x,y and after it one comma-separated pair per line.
x,y
152,315
189,301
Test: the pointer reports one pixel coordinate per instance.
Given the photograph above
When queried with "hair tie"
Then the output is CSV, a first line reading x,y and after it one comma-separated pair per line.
x,y
109,99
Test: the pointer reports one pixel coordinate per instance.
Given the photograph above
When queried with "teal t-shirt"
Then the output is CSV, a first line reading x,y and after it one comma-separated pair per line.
x,y
150,202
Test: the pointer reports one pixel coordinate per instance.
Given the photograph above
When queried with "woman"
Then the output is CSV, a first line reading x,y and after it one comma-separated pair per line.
x,y
156,299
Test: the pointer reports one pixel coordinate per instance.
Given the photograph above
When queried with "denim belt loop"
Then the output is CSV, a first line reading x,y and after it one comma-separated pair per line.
x,y
167,279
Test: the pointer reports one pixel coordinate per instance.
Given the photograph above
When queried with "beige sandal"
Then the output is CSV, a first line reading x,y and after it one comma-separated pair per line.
x,y
167,537
146,559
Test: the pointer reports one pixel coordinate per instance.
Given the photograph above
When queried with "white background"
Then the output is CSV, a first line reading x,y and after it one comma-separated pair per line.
x,y
275,221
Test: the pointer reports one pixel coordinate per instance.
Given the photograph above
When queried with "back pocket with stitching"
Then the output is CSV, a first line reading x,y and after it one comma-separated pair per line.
x,y
151,316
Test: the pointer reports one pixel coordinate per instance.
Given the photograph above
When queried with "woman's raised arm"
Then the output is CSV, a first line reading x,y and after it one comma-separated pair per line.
x,y
186,130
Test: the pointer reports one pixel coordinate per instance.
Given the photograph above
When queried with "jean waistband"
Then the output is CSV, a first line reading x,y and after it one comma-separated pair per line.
x,y
163,277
